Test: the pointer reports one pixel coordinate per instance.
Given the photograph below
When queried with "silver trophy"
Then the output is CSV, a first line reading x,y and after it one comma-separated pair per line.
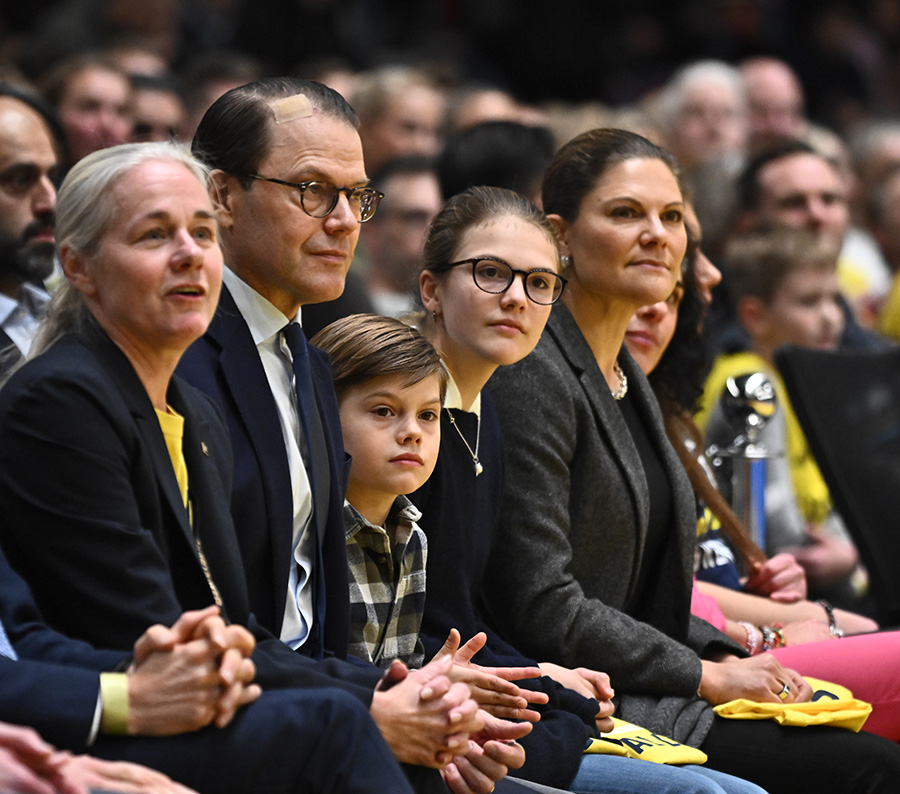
x,y
748,402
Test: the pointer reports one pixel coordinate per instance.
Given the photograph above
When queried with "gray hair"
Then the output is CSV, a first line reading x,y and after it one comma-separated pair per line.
x,y
671,99
84,214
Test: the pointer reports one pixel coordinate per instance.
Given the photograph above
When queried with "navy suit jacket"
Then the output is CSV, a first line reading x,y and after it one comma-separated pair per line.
x,y
53,687
225,365
94,519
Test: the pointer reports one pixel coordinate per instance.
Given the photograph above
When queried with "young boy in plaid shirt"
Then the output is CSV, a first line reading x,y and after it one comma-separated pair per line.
x,y
390,385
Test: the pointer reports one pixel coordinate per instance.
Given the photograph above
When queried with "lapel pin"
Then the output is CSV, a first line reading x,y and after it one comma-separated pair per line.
x,y
204,448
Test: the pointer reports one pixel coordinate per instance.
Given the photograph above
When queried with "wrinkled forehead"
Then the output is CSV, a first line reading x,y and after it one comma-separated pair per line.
x,y
806,172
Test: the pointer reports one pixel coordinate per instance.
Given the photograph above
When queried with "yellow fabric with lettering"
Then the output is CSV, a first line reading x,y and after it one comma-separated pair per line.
x,y
633,741
831,704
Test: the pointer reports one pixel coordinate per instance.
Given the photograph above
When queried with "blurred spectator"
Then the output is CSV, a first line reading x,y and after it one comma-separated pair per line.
x,y
73,27
336,73
774,102
794,185
703,113
875,151
477,103
137,58
884,216
497,153
208,76
93,100
401,112
157,109
395,237
30,151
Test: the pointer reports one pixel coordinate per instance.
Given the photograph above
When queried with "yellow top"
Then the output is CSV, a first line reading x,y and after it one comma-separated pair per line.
x,y
172,424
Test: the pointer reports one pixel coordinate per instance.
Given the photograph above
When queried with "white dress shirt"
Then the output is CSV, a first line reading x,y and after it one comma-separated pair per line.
x,y
265,323
21,318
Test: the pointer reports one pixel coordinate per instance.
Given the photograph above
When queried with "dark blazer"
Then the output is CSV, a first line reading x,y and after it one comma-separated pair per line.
x,y
53,686
94,520
225,365
572,534
297,737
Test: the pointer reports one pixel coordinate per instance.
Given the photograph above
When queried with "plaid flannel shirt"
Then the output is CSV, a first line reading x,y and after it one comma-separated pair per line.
x,y
387,586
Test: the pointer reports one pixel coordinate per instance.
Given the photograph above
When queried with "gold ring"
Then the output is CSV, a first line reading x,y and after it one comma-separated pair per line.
x,y
786,690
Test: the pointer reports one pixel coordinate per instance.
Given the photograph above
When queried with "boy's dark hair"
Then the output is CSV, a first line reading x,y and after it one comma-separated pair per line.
x,y
366,346
759,262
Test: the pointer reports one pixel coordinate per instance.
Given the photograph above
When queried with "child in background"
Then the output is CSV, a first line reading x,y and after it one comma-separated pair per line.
x,y
786,291
390,385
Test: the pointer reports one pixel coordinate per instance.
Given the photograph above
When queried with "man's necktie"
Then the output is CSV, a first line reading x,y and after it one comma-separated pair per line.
x,y
306,399
317,465
6,648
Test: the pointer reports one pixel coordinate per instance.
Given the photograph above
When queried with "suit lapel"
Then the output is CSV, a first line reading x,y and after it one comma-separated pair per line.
x,y
611,424
147,423
249,388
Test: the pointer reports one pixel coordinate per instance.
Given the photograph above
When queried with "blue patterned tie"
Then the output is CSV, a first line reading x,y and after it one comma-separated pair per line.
x,y
6,648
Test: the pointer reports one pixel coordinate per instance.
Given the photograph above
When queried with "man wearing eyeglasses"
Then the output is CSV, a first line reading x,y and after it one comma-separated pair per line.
x,y
290,191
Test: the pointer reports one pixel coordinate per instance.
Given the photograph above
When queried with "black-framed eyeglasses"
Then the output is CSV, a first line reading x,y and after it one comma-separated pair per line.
x,y
493,275
318,198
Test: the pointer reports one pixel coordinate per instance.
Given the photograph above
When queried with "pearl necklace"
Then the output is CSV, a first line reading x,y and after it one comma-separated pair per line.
x,y
623,383
478,467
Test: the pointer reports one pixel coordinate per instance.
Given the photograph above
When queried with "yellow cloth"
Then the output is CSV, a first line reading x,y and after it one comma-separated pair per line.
x,y
832,705
633,741
172,425
114,697
813,496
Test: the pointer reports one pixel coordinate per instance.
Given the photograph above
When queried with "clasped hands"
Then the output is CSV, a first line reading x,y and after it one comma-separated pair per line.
x,y
190,675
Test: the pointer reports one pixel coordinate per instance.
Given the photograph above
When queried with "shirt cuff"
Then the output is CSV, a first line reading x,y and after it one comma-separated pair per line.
x,y
114,699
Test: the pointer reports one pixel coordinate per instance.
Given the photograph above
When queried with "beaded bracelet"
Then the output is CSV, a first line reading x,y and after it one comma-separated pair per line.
x,y
833,629
773,637
751,646
778,631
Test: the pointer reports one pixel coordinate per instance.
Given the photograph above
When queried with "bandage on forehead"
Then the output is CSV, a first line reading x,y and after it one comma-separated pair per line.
x,y
289,108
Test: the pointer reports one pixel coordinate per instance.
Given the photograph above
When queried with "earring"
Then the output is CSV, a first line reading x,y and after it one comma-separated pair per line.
x,y
434,317
566,260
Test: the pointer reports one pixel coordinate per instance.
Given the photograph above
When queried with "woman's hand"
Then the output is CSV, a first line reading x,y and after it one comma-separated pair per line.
x,y
590,684
586,682
826,560
491,687
780,578
759,678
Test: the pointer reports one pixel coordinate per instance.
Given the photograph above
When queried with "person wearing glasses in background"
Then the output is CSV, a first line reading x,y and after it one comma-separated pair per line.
x,y
290,191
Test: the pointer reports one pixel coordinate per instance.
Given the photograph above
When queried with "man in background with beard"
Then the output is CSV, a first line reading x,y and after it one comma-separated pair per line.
x,y
30,152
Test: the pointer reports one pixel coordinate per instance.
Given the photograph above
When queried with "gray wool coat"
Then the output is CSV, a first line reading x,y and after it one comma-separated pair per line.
x,y
572,534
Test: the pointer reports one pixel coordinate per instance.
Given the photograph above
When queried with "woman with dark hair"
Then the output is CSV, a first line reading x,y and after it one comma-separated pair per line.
x,y
594,559
489,278
666,340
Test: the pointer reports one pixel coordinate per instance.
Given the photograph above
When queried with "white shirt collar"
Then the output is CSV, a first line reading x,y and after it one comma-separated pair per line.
x,y
454,398
33,299
262,318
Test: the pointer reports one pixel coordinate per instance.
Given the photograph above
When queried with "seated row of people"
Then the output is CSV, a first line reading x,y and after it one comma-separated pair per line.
x,y
572,534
